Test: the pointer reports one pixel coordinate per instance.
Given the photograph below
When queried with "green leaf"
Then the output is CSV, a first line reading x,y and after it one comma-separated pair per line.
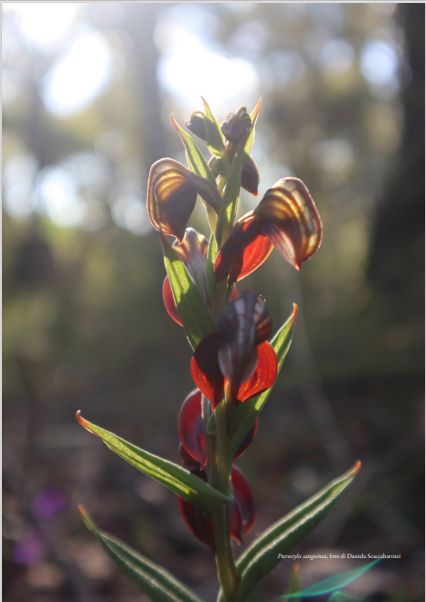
x,y
263,554
198,165
253,116
294,585
158,584
344,597
196,162
334,583
174,477
229,206
215,138
197,319
247,412
210,276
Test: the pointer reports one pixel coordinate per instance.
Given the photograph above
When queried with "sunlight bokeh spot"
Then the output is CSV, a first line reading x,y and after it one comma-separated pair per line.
x,y
379,62
190,69
77,79
336,56
59,197
43,24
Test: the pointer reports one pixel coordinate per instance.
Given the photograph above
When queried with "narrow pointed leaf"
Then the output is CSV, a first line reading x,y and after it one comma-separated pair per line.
x,y
334,583
294,585
195,314
247,412
158,584
210,275
253,116
196,162
262,556
198,165
344,597
231,195
215,138
174,477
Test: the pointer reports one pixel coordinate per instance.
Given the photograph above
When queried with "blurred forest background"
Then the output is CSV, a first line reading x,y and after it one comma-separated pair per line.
x,y
88,90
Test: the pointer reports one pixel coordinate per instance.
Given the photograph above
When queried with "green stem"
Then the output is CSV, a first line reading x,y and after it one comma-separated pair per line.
x,y
222,517
221,183
206,408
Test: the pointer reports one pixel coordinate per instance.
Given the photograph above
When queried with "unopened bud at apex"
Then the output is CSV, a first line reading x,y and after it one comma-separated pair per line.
x,y
196,125
235,125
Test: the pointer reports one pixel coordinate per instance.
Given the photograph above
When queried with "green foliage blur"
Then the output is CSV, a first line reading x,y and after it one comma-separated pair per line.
x,y
87,95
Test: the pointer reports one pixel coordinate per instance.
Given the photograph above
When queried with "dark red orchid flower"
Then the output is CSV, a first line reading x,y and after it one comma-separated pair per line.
x,y
237,353
242,517
285,218
172,193
192,434
192,251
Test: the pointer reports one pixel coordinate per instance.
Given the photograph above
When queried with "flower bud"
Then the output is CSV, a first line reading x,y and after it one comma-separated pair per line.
x,y
196,125
250,177
236,124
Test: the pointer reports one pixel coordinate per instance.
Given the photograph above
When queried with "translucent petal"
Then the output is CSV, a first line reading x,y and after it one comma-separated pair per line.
x,y
244,507
169,301
172,193
288,216
205,368
264,376
198,523
191,428
243,252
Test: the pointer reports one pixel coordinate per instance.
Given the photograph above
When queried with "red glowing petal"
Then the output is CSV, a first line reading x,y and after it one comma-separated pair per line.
x,y
244,323
265,374
244,251
199,525
288,216
244,507
205,368
247,440
169,301
234,293
191,428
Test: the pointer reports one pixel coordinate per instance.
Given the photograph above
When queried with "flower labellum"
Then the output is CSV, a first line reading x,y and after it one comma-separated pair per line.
x,y
286,218
237,353
172,193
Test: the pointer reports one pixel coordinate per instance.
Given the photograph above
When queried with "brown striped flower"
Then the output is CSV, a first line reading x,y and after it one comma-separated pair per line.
x,y
238,353
172,193
192,251
285,218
